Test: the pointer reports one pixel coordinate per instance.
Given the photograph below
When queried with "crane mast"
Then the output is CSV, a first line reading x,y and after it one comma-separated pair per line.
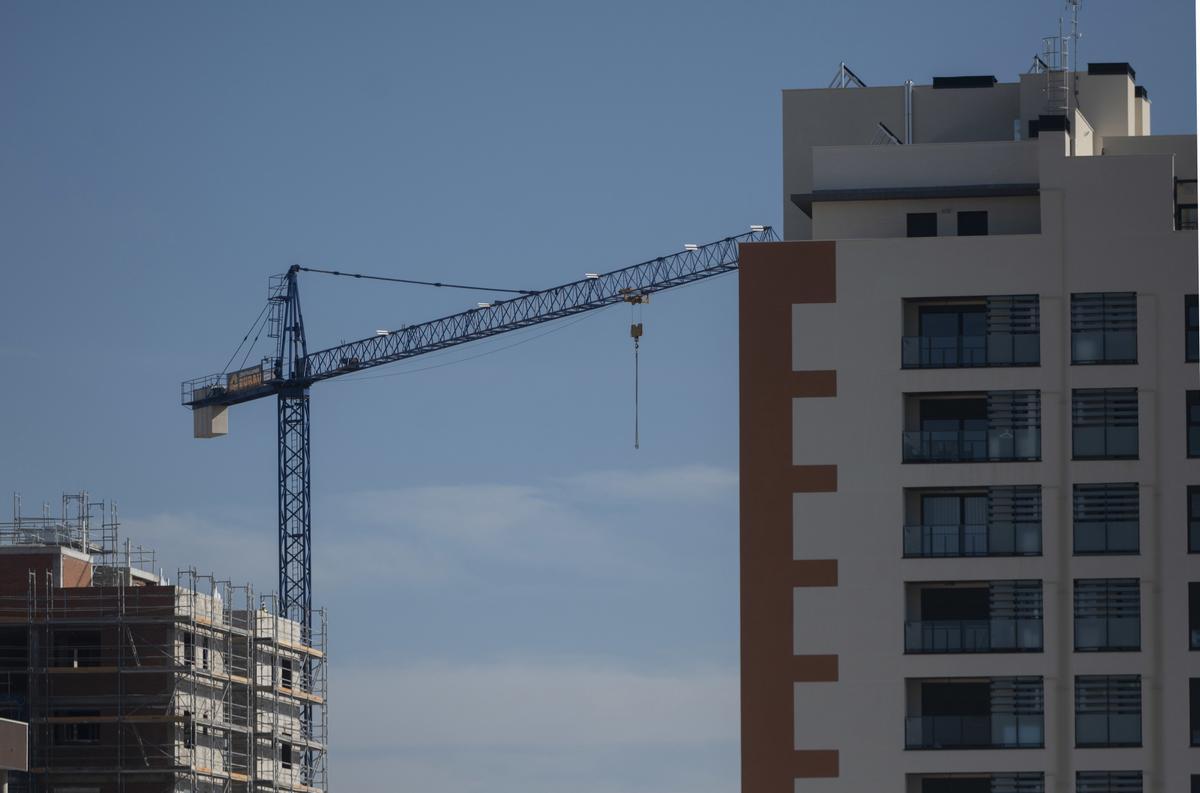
x,y
289,375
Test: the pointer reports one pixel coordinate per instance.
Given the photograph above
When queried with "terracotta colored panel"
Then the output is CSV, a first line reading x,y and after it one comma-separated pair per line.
x,y
804,272
772,278
815,669
815,383
815,572
812,479
815,763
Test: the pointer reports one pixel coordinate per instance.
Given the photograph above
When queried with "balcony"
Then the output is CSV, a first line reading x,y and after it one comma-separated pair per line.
x,y
1000,444
992,426
973,617
930,637
972,539
943,522
984,731
968,352
942,333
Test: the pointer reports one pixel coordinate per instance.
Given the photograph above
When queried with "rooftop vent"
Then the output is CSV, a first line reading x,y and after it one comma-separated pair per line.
x,y
965,81
1112,68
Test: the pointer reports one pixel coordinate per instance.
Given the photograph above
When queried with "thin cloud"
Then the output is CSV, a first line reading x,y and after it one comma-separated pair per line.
x,y
684,484
535,703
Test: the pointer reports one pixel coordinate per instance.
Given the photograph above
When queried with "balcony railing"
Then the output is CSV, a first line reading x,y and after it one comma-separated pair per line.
x,y
976,446
1003,635
972,539
995,731
954,352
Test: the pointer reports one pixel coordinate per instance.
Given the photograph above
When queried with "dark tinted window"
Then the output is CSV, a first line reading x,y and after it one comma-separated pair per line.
x,y
1194,693
1104,423
1108,710
1107,614
979,784
1104,327
1106,518
922,224
1193,423
1193,496
1192,328
972,224
1194,615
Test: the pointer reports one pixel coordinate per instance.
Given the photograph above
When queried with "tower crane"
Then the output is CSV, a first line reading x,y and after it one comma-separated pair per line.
x,y
290,373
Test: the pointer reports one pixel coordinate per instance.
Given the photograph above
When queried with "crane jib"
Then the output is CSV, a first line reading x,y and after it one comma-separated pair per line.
x,y
655,275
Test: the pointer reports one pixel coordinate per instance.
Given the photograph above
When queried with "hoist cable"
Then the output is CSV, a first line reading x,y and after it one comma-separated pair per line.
x,y
636,409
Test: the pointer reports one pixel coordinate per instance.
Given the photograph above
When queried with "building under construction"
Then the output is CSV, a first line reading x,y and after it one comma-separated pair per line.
x,y
131,682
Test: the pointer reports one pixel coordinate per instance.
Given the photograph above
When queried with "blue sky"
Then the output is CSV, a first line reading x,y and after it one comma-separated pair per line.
x,y
520,600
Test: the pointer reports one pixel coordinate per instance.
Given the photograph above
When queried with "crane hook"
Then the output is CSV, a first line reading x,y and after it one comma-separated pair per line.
x,y
636,300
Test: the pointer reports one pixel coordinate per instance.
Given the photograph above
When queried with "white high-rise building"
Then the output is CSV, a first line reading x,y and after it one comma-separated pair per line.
x,y
970,445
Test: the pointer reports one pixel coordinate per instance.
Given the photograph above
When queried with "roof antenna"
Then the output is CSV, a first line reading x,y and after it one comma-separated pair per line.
x,y
846,78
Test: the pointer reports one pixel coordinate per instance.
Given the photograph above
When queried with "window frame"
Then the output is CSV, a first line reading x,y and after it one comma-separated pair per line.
x,y
1084,597
1108,497
1112,420
1104,320
1111,708
1191,328
1193,513
1192,400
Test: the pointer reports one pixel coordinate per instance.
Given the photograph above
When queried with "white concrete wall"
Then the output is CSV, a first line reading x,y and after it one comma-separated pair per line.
x,y
1105,226
924,165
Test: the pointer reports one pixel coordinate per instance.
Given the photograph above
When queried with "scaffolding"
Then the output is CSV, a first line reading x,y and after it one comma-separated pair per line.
x,y
134,684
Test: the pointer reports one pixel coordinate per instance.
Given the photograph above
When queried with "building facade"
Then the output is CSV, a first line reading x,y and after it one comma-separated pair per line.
x,y
133,684
970,445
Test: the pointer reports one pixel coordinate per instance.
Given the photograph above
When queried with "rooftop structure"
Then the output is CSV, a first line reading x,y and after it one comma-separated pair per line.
x,y
132,683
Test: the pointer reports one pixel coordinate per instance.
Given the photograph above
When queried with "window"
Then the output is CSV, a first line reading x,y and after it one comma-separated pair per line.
x,y
85,731
1108,782
189,649
972,224
1194,709
1193,496
1104,423
1107,614
1106,518
1108,710
74,649
1185,204
1193,423
953,335
922,224
204,646
285,672
1193,615
1192,328
285,755
1104,327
